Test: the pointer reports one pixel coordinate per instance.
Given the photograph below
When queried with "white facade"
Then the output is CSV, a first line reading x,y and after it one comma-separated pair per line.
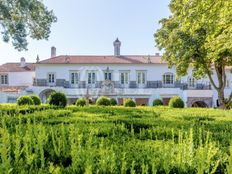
x,y
21,78
142,78
153,72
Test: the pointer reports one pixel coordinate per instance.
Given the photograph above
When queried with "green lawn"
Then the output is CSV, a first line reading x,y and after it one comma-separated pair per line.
x,y
114,140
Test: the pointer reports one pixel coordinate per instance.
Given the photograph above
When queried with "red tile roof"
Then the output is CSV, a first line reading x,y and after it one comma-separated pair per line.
x,y
103,60
11,88
15,67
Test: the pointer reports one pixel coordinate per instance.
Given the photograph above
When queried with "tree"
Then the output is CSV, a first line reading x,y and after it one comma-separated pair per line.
x,y
22,18
198,34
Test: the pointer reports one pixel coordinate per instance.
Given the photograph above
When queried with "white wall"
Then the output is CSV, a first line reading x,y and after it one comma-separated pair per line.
x,y
21,78
154,72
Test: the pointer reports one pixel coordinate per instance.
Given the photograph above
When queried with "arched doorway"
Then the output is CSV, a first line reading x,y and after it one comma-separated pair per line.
x,y
45,94
199,104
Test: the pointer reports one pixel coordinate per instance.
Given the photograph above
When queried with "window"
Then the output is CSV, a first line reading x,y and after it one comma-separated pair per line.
x,y
51,78
74,77
168,79
141,77
4,79
91,77
108,75
191,82
124,78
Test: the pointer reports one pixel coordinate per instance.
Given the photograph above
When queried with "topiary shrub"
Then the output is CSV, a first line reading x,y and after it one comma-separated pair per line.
x,y
113,102
129,103
157,102
24,100
57,99
36,99
81,102
176,102
103,101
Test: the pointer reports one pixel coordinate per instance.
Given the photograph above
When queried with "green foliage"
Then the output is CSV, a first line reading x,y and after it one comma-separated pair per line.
x,y
129,103
36,99
176,102
57,99
107,140
103,101
25,100
157,102
20,19
81,102
197,34
113,102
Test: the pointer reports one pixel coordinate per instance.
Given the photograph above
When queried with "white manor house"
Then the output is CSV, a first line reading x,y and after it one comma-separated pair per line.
x,y
140,77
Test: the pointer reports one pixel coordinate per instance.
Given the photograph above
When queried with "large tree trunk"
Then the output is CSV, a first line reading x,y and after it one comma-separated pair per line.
x,y
223,103
221,78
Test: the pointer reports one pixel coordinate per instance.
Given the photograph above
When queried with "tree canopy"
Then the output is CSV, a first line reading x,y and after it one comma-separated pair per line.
x,y
22,18
199,34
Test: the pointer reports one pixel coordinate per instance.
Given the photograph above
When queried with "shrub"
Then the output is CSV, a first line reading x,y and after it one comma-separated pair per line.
x,y
129,103
113,102
157,102
25,100
81,102
57,99
103,101
36,99
176,102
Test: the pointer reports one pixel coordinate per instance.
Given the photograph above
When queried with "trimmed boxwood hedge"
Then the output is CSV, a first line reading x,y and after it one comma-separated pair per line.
x,y
81,102
25,100
57,99
103,101
157,102
113,102
36,99
176,102
129,103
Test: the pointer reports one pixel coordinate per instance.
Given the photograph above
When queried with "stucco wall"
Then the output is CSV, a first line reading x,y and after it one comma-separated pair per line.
x,y
21,78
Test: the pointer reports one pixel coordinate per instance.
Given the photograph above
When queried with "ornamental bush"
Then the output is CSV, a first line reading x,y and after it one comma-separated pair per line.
x,y
57,99
113,102
129,103
176,102
81,102
24,100
103,101
36,99
157,102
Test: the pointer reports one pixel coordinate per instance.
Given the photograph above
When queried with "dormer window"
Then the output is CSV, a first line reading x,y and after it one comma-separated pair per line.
x,y
4,79
168,79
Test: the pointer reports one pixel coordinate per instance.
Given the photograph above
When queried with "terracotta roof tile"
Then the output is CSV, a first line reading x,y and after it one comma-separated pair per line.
x,y
15,67
103,60
11,88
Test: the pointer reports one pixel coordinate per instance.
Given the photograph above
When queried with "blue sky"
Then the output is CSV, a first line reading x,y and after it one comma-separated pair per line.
x,y
89,27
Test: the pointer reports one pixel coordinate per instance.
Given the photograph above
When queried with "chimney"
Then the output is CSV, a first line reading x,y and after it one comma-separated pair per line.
x,y
53,51
37,59
117,45
22,62
157,54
